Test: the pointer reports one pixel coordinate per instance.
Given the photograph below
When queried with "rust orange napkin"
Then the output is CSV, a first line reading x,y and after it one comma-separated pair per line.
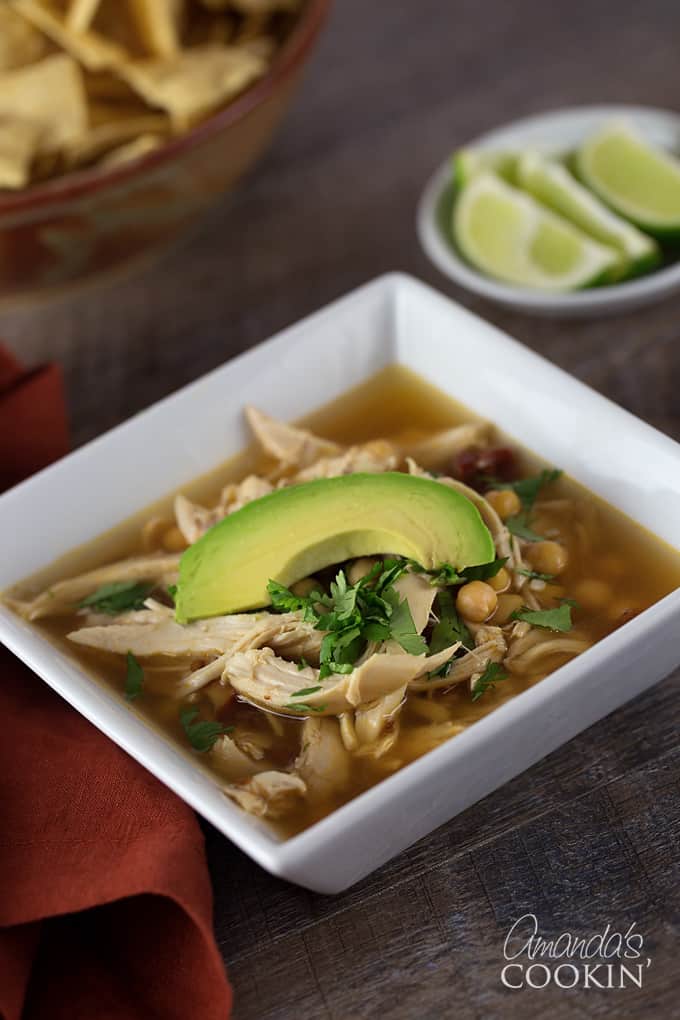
x,y
105,898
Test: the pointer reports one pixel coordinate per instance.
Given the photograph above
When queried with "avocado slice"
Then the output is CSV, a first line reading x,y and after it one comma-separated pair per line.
x,y
299,530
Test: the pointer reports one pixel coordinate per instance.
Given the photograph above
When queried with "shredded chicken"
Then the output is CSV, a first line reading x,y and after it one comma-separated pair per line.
x,y
553,646
232,761
370,458
420,595
202,677
256,657
253,742
193,520
376,725
435,450
323,763
154,612
521,582
263,678
267,794
490,646
64,596
347,731
291,446
144,636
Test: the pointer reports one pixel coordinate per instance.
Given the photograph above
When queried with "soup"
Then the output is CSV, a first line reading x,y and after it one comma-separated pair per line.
x,y
348,674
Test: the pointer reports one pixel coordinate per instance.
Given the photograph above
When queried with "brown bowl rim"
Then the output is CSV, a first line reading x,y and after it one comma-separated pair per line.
x,y
73,185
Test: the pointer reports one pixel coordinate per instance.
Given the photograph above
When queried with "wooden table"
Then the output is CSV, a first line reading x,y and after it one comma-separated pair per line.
x,y
589,836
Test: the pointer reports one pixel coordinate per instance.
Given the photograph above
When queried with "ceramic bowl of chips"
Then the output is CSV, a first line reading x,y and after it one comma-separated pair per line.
x,y
121,121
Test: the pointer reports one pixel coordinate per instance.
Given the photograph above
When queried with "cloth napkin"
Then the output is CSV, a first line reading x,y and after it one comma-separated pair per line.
x,y
105,898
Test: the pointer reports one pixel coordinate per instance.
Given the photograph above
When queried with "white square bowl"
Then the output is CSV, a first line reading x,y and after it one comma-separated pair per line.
x,y
393,319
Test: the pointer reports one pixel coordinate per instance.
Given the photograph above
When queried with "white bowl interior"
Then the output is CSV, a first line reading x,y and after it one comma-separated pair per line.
x,y
392,319
553,132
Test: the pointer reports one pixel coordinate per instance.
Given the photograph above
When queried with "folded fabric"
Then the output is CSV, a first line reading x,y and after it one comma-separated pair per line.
x,y
105,898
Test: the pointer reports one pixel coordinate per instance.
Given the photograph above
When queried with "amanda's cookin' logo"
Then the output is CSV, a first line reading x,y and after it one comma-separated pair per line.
x,y
607,959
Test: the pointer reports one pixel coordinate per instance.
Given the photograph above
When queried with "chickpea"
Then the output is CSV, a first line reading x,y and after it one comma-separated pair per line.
x,y
507,605
476,601
174,540
505,502
593,594
500,581
305,586
547,557
360,568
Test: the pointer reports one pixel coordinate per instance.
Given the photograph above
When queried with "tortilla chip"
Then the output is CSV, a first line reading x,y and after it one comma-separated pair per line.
x,y
131,150
20,42
49,94
81,14
110,135
158,24
210,28
252,27
194,82
106,112
90,49
103,81
108,87
19,142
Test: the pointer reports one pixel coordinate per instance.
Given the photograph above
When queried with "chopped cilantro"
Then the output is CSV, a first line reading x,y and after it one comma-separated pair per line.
x,y
285,601
403,630
484,571
134,680
535,576
519,526
446,575
443,670
300,706
376,631
203,733
117,597
329,668
450,628
528,488
552,619
352,615
493,673
441,576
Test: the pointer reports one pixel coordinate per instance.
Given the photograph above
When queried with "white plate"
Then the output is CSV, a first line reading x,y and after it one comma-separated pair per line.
x,y
553,132
394,319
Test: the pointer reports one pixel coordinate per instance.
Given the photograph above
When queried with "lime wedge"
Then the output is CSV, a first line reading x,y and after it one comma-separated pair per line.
x,y
507,234
638,181
468,163
553,185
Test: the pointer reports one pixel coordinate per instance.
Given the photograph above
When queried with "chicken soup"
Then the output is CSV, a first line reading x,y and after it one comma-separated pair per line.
x,y
346,595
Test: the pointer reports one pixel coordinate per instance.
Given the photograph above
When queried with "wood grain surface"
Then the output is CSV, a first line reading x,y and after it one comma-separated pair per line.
x,y
591,835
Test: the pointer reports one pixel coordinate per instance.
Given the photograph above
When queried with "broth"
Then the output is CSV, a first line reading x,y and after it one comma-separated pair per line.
x,y
615,569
